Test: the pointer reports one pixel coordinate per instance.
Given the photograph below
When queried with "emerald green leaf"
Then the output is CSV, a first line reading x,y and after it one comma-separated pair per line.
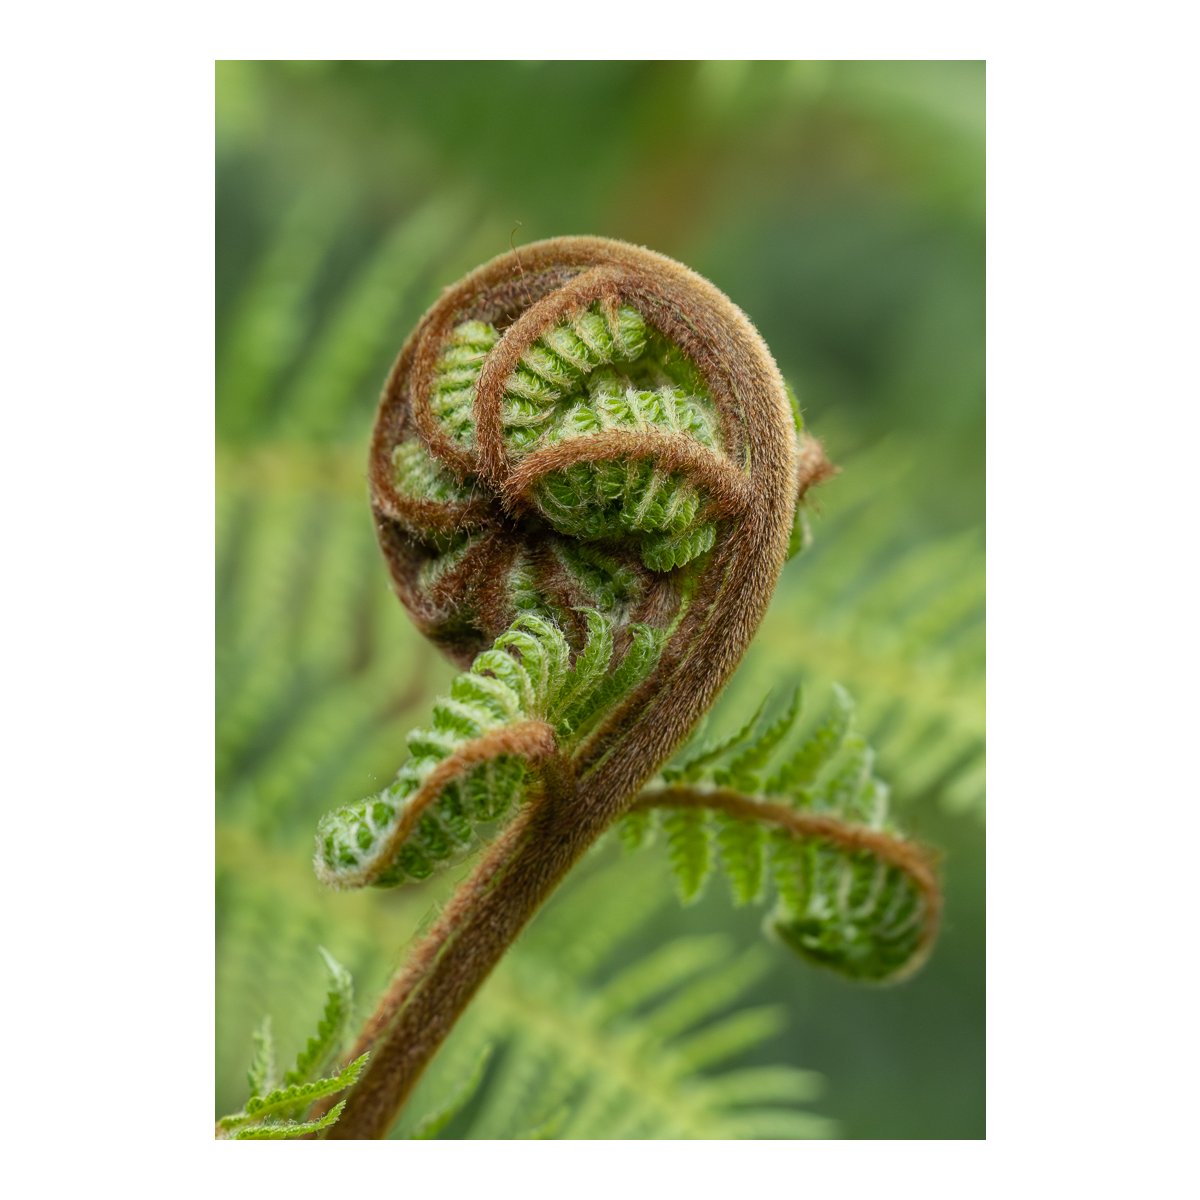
x,y
640,659
321,1048
635,829
843,791
261,1075
289,1129
545,657
740,773
688,838
792,869
281,1100
693,768
355,844
862,918
741,844
800,771
839,905
591,665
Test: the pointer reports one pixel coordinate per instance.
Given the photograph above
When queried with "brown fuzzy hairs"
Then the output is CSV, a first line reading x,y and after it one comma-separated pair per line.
x,y
755,485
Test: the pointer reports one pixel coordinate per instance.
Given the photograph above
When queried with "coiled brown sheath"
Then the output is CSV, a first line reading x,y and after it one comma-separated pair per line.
x,y
489,520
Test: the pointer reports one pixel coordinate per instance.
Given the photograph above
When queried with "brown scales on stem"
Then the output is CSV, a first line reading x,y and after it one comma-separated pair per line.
x,y
753,488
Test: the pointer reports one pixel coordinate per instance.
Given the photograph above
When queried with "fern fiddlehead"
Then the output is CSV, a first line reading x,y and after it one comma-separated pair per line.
x,y
586,474
502,716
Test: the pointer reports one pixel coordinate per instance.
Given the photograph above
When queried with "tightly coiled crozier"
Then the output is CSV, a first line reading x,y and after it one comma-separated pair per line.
x,y
576,425
589,436
587,424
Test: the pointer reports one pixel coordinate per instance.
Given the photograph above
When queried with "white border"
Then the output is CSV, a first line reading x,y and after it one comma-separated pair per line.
x,y
108,604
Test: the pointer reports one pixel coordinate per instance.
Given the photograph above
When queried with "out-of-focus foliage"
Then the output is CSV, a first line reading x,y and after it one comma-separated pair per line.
x,y
597,1053
842,206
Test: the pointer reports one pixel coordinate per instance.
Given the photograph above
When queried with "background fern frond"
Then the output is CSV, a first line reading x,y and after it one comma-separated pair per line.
x,y
361,331
589,1050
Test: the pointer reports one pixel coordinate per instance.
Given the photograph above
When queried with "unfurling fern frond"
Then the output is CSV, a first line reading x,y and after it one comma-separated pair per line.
x,y
521,702
852,893
272,1112
585,474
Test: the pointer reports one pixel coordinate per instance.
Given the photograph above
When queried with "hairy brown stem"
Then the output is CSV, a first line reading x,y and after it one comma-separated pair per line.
x,y
753,490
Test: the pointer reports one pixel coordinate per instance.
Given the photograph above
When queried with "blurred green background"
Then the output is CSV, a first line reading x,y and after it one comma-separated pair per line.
x,y
841,205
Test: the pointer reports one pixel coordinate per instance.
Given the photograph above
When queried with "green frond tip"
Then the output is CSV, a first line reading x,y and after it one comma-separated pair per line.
x,y
796,774
430,1126
288,1129
270,1111
862,917
261,1075
526,677
693,767
741,771
513,683
321,1048
851,895
689,851
285,1100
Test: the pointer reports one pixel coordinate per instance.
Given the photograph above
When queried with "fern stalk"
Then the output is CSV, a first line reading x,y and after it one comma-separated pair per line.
x,y
586,473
